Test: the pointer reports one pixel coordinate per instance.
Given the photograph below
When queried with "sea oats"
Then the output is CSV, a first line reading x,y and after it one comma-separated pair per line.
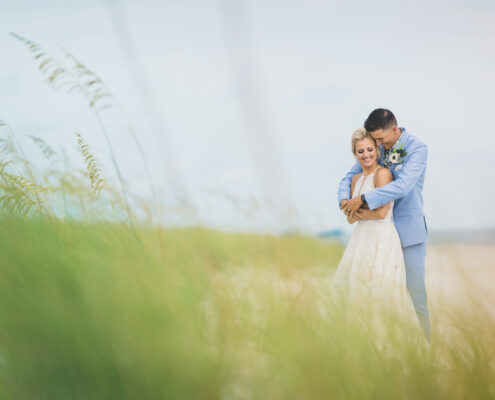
x,y
95,173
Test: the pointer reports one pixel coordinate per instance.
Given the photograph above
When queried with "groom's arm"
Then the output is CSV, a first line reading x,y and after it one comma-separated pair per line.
x,y
344,191
411,171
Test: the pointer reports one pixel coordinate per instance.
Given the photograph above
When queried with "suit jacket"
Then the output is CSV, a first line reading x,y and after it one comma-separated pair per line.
x,y
406,189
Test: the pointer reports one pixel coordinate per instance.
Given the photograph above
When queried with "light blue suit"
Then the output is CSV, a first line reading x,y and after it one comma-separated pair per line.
x,y
409,219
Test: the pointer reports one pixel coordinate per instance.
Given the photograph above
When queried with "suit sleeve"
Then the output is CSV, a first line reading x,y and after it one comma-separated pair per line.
x,y
344,192
412,170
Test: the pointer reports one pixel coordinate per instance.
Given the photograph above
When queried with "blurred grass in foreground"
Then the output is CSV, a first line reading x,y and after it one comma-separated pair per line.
x,y
102,311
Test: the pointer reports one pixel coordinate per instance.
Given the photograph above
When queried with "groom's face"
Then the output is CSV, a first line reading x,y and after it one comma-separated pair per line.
x,y
386,137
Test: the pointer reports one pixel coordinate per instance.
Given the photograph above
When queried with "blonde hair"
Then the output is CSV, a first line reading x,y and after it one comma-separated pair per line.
x,y
360,134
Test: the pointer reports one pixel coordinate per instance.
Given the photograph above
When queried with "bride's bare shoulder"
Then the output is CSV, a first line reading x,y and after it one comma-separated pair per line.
x,y
383,176
383,171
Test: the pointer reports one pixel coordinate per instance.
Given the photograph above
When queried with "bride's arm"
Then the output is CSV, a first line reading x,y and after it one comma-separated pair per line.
x,y
383,177
353,185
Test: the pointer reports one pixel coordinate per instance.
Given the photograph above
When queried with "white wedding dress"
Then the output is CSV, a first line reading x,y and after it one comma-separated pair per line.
x,y
373,262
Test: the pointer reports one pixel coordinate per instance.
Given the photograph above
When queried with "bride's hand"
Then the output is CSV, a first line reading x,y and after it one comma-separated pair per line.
x,y
343,206
361,214
353,205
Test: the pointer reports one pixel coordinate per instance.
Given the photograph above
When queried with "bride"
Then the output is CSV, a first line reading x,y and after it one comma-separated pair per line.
x,y
373,261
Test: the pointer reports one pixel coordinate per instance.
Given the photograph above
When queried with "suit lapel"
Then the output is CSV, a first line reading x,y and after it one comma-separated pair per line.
x,y
401,142
403,139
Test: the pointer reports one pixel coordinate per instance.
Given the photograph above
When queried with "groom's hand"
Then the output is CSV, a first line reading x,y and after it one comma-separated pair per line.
x,y
353,205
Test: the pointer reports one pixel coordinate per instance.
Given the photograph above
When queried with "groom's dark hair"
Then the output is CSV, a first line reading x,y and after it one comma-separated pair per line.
x,y
381,118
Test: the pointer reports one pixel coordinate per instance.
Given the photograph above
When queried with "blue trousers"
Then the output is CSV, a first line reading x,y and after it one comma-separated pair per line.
x,y
414,258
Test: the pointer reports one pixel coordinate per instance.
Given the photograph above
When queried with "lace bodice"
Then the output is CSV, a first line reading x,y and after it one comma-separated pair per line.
x,y
365,184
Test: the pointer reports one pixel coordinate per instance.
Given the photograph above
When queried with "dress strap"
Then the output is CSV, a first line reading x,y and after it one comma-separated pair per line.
x,y
362,183
364,178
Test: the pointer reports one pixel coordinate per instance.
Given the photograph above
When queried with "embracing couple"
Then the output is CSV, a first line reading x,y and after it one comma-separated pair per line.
x,y
383,193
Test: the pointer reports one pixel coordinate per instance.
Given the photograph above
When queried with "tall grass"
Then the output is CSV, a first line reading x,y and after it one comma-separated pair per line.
x,y
76,76
59,189
89,310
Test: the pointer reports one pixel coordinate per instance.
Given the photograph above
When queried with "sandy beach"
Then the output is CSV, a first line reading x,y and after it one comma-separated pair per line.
x,y
461,274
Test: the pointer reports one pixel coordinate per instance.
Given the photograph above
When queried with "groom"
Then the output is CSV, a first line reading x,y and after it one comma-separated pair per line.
x,y
405,156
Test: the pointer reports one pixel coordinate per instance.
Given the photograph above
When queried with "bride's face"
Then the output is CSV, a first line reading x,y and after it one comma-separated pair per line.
x,y
366,152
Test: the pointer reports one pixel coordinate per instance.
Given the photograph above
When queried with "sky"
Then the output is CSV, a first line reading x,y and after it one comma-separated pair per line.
x,y
246,108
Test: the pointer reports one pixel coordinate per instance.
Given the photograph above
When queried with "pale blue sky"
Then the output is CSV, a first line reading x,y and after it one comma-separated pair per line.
x,y
260,98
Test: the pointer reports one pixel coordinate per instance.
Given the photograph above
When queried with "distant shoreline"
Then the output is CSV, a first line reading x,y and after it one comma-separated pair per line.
x,y
464,236
433,238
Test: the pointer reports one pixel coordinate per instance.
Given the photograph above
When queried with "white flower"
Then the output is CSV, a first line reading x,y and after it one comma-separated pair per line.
x,y
393,158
